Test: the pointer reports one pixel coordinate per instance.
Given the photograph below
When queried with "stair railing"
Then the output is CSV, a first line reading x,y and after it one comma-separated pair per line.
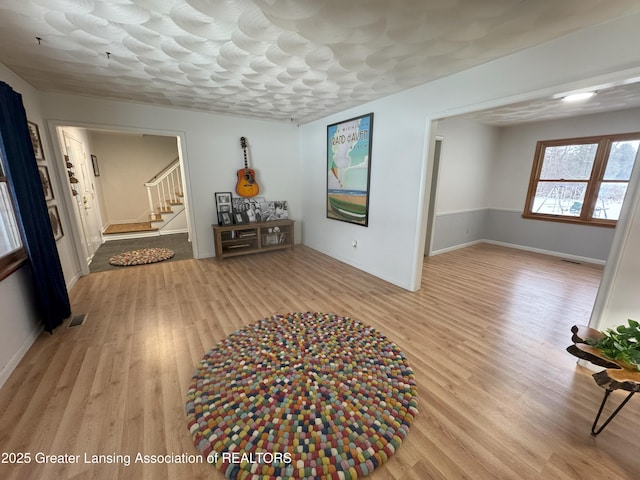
x,y
165,187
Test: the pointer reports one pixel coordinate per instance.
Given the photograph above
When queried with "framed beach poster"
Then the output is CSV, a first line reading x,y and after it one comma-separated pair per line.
x,y
349,169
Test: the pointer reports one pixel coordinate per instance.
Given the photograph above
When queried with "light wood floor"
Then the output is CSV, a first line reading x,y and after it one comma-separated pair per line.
x,y
499,398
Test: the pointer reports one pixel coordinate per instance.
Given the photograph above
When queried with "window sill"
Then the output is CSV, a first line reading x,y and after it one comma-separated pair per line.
x,y
12,262
571,220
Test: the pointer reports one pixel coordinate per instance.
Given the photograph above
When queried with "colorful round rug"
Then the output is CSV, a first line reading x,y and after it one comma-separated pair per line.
x,y
302,395
141,257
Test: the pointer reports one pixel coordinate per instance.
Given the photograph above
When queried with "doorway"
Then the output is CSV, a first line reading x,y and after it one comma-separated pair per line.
x,y
431,213
87,206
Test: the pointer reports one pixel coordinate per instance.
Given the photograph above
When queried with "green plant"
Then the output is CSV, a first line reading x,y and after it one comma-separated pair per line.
x,y
621,343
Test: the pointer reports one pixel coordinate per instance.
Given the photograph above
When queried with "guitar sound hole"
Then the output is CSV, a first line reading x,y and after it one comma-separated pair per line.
x,y
249,178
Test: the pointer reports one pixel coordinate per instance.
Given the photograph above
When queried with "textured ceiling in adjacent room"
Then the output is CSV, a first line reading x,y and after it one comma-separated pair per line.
x,y
285,60
608,98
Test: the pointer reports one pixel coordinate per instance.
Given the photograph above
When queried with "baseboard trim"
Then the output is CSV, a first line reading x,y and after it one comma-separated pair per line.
x,y
11,365
566,256
456,247
172,232
126,236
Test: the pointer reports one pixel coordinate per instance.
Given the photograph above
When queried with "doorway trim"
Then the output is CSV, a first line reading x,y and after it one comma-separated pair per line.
x,y
61,175
434,152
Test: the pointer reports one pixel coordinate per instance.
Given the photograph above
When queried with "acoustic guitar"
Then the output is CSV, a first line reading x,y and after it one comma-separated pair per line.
x,y
246,185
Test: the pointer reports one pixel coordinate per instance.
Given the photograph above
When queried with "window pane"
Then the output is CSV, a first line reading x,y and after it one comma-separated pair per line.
x,y
621,159
9,234
559,198
610,198
568,162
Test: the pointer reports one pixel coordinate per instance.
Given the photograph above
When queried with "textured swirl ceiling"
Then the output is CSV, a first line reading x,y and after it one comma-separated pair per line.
x,y
286,60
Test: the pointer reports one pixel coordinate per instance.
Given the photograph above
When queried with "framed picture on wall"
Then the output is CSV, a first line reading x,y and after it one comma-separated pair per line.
x,y
349,169
46,182
34,133
56,225
96,167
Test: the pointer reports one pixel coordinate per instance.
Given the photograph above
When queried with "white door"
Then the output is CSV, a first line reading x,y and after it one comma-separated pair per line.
x,y
84,197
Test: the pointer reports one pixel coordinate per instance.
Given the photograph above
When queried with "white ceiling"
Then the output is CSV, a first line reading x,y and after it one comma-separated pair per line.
x,y
286,60
608,98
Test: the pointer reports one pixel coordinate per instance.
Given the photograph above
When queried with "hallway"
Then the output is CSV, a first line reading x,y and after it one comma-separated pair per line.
x,y
177,242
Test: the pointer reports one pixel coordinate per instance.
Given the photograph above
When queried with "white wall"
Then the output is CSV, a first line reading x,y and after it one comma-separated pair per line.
x,y
211,151
622,301
466,164
618,299
126,162
392,246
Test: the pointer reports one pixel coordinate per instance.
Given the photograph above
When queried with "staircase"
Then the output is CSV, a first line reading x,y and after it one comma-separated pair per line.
x,y
166,214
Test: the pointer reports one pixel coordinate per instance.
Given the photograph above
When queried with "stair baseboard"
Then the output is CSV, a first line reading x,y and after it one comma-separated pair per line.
x,y
127,236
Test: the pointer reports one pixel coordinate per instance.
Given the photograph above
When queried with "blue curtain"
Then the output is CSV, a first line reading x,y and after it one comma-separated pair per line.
x,y
31,208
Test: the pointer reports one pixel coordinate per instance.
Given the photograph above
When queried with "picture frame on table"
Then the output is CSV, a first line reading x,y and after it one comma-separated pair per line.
x,y
248,209
223,205
274,210
225,218
239,218
36,141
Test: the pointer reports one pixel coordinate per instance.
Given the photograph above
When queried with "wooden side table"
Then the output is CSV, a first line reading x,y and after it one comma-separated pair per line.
x,y
253,237
615,376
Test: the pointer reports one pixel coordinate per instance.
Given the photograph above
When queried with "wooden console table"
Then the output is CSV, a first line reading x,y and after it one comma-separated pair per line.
x,y
254,237
616,375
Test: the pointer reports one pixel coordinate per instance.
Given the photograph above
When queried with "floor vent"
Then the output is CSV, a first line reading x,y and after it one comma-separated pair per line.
x,y
77,320
571,261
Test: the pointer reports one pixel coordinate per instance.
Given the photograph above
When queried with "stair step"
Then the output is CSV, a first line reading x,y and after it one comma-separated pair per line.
x,y
178,202
117,228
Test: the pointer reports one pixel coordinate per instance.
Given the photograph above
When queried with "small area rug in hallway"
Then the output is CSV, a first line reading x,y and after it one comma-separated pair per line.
x,y
301,395
141,257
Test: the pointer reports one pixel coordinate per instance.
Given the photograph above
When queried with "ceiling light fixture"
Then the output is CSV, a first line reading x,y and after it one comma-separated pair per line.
x,y
577,97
